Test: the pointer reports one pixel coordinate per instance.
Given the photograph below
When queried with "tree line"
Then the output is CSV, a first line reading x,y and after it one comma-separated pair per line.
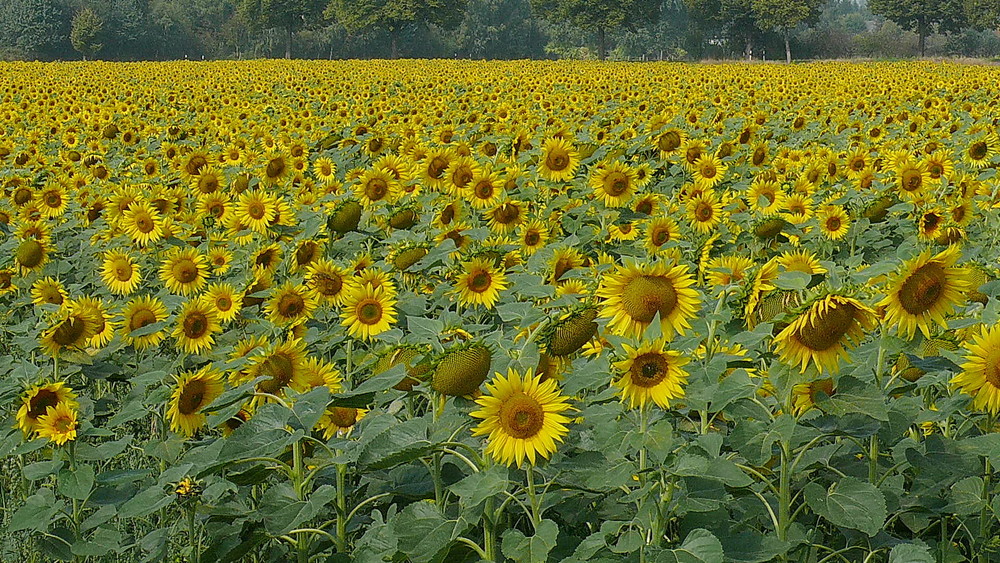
x,y
496,29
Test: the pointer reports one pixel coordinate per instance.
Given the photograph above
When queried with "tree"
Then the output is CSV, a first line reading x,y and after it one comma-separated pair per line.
x,y
32,27
85,30
288,15
396,15
599,15
783,16
922,16
733,18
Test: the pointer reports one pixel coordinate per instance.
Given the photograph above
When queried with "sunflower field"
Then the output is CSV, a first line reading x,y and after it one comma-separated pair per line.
x,y
456,311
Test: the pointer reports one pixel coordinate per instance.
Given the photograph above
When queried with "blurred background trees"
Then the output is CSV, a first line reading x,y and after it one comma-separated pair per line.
x,y
497,29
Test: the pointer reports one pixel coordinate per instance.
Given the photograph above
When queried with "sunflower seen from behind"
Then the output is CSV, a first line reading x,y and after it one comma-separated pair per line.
x,y
521,417
193,391
924,291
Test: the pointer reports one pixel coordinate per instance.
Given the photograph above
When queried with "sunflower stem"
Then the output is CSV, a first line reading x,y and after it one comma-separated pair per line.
x,y
302,545
342,515
784,491
984,511
350,362
536,514
195,545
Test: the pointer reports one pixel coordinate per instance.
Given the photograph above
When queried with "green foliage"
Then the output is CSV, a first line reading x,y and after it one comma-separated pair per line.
x,y
923,16
86,29
394,16
599,15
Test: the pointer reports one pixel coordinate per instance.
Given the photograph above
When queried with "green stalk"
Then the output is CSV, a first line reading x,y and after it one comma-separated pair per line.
x,y
784,492
985,519
536,514
192,535
341,508
302,545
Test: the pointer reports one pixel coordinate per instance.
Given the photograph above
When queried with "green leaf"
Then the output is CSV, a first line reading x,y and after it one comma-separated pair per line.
x,y
77,484
41,469
309,407
146,502
700,546
910,553
855,396
965,496
849,503
399,443
534,549
793,280
423,533
752,547
37,512
100,544
478,487
283,512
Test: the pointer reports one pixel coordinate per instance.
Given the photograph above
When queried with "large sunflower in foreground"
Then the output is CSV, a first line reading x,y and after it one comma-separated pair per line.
x,y
194,391
368,311
980,375
650,373
924,291
521,416
634,294
823,332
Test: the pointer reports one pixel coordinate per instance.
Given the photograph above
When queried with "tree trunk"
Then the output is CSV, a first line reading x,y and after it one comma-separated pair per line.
x,y
788,49
602,46
922,33
393,45
288,41
748,51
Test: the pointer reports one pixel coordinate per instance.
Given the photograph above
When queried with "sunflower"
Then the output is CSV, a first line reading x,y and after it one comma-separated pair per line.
x,y
120,272
224,298
48,290
255,210
367,311
804,395
460,173
320,373
634,295
283,366
480,283
216,204
506,217
801,261
669,141
195,326
659,231
924,291
766,197
140,313
184,271
291,305
912,178
193,392
433,166
981,151
338,421
31,254
559,160
376,186
613,183
726,270
533,236
521,417
651,373
623,231
52,200
980,377
59,423
142,223
708,171
564,259
105,327
834,222
325,171
704,212
823,332
221,259
277,168
73,328
486,190
36,401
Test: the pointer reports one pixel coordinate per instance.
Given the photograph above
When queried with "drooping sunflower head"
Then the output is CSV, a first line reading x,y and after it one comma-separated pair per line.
x,y
823,331
924,291
460,370
568,334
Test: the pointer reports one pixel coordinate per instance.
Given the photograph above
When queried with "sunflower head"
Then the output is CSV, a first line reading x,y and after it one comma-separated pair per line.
x,y
345,217
569,334
461,369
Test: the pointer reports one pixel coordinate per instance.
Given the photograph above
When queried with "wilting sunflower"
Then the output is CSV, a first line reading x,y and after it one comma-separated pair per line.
x,y
559,160
195,326
367,311
58,424
650,372
140,313
823,332
224,298
193,392
120,272
142,223
480,283
521,417
36,401
613,183
923,291
980,377
73,328
48,290
704,212
291,304
184,271
633,295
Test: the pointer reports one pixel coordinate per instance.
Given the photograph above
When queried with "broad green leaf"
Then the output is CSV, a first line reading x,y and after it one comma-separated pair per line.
x,y
849,503
478,487
700,546
36,513
147,502
397,444
77,484
910,553
423,533
966,496
533,549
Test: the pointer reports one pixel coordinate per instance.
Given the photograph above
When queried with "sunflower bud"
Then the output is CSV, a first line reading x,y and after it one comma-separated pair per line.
x,y
462,369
